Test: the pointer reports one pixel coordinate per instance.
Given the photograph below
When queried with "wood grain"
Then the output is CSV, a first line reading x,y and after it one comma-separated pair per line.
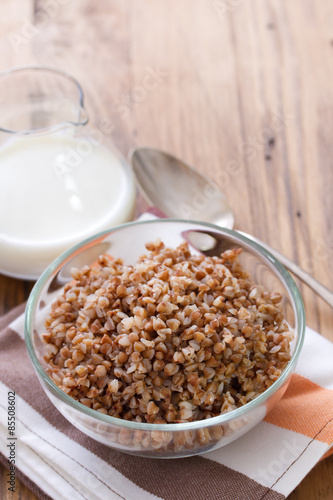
x,y
241,90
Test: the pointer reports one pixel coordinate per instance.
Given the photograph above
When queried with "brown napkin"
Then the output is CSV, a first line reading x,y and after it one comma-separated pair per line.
x,y
55,460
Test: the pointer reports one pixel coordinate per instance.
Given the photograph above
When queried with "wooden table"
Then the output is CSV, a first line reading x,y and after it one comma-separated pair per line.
x,y
241,90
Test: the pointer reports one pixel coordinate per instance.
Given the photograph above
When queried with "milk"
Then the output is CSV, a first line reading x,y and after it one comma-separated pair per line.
x,y
56,190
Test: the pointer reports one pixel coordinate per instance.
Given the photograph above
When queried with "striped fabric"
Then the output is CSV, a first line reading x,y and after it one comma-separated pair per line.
x,y
57,461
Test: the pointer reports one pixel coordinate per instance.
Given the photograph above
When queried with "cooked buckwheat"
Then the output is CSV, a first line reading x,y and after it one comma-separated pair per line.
x,y
174,338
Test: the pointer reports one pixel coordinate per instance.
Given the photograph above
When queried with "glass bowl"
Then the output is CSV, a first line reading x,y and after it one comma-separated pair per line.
x,y
128,242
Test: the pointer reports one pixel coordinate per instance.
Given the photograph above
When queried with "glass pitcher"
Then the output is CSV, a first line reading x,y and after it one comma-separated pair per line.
x,y
60,181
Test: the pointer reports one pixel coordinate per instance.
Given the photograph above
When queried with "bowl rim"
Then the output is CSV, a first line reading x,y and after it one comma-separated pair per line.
x,y
279,270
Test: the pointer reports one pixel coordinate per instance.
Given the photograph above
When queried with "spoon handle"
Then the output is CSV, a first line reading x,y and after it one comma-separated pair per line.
x,y
317,287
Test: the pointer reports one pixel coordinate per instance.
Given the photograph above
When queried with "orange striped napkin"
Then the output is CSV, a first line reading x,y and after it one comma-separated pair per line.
x,y
57,461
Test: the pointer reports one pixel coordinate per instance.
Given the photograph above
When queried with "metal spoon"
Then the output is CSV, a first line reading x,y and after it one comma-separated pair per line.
x,y
180,191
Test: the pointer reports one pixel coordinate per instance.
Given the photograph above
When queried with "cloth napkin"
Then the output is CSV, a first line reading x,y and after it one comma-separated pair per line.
x,y
57,461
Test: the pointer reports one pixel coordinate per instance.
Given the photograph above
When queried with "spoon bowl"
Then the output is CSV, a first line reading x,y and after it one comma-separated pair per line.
x,y
179,190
